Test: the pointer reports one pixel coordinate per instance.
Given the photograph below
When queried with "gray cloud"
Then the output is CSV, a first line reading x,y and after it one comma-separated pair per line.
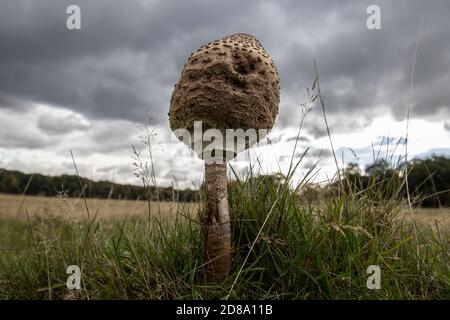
x,y
23,139
110,137
383,141
447,126
434,152
300,139
18,131
323,153
117,66
61,124
316,153
312,153
274,140
317,129
308,164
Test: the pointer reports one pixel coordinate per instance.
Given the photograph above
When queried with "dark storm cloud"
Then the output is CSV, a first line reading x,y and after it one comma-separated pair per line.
x,y
124,61
361,69
128,55
13,103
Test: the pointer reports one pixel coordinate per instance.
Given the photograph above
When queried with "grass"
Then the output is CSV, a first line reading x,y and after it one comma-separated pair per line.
x,y
305,251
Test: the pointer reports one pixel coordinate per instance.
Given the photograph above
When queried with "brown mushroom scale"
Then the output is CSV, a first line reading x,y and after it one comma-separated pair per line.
x,y
230,83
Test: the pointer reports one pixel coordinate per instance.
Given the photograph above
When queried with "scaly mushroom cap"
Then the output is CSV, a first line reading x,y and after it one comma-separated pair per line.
x,y
229,83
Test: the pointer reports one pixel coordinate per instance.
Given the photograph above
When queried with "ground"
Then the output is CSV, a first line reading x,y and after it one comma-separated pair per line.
x,y
300,252
17,206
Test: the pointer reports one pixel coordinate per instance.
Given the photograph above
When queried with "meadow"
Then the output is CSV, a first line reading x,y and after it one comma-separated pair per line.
x,y
284,247
17,206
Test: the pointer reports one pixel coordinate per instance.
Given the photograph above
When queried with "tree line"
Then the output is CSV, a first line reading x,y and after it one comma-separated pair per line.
x,y
16,182
428,179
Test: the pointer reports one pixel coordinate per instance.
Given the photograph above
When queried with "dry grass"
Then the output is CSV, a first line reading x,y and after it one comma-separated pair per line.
x,y
432,217
296,257
17,206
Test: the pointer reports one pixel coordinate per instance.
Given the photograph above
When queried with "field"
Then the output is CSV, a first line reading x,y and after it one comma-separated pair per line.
x,y
303,252
431,217
16,206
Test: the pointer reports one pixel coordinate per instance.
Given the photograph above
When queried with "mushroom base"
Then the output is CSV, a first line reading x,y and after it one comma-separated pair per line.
x,y
216,224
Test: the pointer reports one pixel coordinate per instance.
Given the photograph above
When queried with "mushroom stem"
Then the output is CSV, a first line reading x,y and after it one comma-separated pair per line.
x,y
216,223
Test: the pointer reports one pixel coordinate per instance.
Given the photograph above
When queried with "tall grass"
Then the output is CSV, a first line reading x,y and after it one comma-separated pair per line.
x,y
306,250
285,246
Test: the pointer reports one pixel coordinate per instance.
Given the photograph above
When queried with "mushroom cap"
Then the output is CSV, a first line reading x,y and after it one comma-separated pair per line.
x,y
230,83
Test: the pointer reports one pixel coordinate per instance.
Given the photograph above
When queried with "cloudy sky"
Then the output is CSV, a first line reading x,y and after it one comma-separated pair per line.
x,y
88,90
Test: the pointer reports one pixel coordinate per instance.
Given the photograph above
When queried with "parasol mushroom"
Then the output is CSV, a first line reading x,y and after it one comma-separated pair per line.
x,y
230,83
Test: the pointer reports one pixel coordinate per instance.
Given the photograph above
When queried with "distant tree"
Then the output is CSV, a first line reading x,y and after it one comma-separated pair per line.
x,y
378,168
352,169
429,179
15,182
